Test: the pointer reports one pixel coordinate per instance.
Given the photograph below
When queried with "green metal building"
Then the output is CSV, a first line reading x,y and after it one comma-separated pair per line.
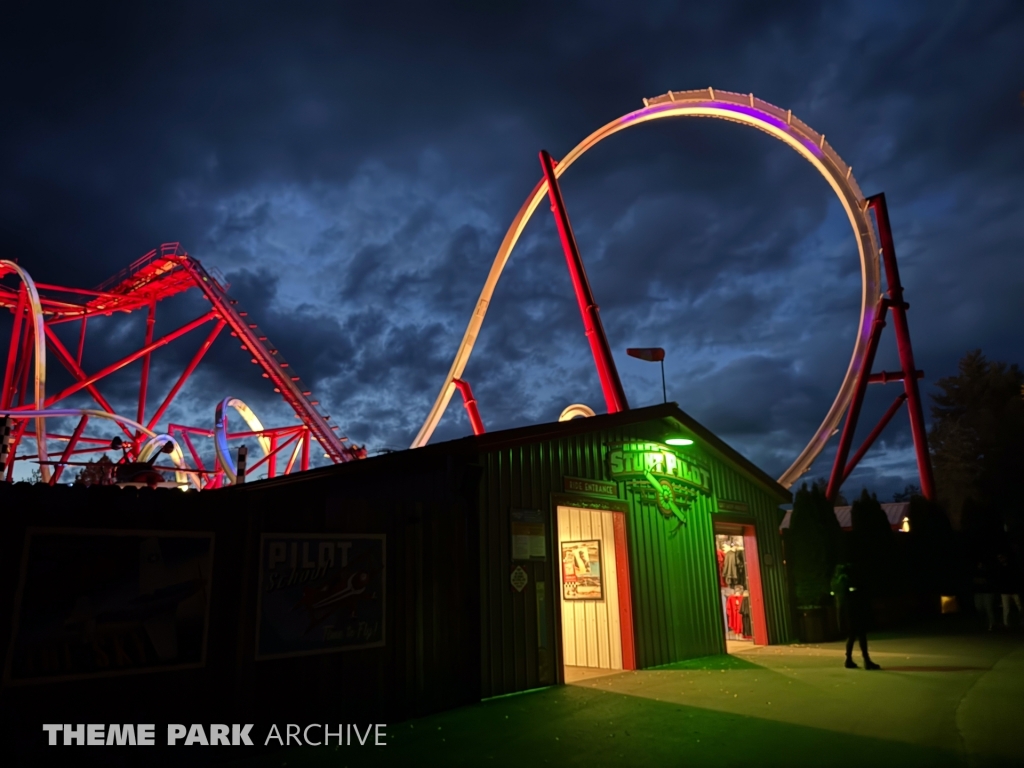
x,y
613,489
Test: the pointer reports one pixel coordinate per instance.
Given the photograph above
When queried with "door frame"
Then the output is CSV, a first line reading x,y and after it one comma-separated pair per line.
x,y
746,528
618,510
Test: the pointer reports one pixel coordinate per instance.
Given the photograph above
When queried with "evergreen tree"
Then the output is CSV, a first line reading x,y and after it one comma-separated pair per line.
x,y
907,494
977,444
814,543
935,562
873,541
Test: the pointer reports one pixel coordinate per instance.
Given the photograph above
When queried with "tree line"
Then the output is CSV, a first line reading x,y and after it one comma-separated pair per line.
x,y
977,450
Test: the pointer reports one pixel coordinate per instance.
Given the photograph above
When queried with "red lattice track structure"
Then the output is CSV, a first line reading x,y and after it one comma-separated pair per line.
x,y
160,274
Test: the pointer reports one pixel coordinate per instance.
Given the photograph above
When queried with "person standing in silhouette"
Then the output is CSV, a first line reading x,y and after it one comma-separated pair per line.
x,y
853,608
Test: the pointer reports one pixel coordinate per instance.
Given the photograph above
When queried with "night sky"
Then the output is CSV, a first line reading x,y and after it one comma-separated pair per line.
x,y
353,167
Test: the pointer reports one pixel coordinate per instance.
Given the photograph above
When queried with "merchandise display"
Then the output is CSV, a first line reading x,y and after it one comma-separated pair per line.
x,y
732,580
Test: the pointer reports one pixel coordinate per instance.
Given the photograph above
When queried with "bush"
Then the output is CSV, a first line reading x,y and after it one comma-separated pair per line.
x,y
875,554
934,556
815,542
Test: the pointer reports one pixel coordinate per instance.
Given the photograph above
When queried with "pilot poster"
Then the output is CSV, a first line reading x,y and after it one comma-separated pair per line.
x,y
93,603
581,570
320,593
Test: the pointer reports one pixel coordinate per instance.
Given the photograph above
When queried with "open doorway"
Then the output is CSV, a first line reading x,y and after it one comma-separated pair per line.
x,y
739,582
597,625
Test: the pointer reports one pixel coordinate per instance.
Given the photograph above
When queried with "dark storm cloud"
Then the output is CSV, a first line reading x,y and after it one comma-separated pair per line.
x,y
353,169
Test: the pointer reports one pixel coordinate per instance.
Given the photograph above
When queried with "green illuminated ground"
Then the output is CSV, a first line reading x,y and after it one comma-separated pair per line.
x,y
941,699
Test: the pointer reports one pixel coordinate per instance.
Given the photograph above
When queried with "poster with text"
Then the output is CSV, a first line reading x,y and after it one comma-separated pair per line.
x,y
97,602
581,570
320,593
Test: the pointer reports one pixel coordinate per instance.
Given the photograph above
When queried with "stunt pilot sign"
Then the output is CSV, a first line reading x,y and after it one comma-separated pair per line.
x,y
660,476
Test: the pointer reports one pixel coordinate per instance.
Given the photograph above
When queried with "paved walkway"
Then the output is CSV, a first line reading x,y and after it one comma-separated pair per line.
x,y
940,699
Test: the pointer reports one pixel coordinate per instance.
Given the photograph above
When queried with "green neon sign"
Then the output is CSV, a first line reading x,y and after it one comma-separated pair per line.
x,y
659,475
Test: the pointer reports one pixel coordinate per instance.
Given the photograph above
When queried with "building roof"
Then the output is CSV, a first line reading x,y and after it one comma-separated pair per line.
x,y
670,414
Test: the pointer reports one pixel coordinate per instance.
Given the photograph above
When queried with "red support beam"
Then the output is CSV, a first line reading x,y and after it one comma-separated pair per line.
x,y
69,449
81,340
103,441
196,358
144,381
159,274
58,348
909,373
271,462
27,353
835,480
10,377
192,450
18,433
172,428
611,386
884,377
470,403
271,458
279,431
906,351
86,381
870,439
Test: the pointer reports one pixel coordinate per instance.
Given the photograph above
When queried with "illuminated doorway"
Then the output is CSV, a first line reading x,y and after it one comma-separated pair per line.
x,y
739,583
597,624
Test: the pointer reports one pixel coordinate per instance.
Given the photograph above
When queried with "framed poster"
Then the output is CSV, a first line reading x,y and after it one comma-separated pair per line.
x,y
320,593
581,570
96,602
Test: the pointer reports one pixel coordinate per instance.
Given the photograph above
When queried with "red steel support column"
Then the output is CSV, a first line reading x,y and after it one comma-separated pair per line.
x,y
65,359
271,458
81,340
18,432
470,402
25,368
195,454
835,480
614,396
69,449
906,352
144,382
882,424
306,435
7,393
196,358
86,381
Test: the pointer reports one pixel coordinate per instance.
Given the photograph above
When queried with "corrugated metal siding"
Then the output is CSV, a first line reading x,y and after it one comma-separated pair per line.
x,y
429,662
511,659
674,576
676,602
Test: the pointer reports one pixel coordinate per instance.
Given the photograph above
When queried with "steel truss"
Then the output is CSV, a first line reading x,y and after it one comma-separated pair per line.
x,y
890,301
160,274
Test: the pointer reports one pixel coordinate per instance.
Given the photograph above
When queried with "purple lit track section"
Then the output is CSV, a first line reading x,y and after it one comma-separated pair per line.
x,y
738,108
